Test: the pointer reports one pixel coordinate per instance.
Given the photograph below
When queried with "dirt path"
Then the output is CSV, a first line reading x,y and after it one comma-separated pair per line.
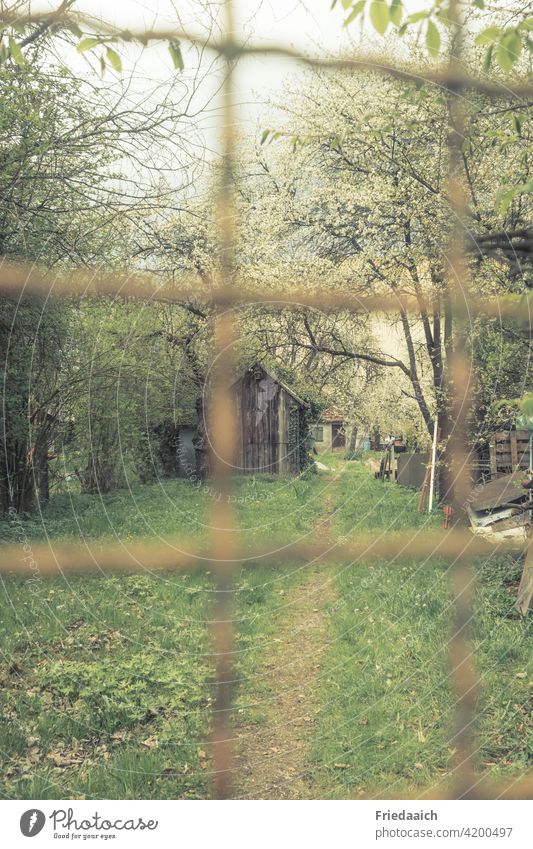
x,y
272,756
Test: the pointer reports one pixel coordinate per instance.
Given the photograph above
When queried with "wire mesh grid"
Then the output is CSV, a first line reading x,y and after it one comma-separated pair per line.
x,y
226,550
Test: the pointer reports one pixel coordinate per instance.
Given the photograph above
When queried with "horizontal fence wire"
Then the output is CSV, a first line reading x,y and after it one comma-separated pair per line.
x,y
227,547
17,279
229,47
183,555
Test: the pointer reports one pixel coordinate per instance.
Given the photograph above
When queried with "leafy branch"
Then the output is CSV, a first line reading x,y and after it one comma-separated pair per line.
x,y
504,44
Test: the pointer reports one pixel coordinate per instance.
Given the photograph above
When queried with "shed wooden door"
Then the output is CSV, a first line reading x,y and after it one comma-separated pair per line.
x,y
338,437
262,413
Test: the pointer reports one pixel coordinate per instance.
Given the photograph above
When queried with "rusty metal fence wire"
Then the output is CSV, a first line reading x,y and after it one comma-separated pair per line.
x,y
226,549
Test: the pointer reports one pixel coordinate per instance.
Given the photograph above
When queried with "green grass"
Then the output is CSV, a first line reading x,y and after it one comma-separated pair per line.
x,y
387,694
106,682
171,507
364,503
98,673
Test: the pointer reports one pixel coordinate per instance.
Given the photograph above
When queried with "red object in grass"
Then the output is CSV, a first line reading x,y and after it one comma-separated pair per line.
x,y
448,513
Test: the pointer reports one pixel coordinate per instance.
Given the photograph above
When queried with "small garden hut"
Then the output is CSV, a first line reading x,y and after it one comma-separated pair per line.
x,y
330,431
272,426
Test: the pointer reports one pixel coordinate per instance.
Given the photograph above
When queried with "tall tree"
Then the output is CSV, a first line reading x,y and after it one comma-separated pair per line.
x,y
81,173
355,180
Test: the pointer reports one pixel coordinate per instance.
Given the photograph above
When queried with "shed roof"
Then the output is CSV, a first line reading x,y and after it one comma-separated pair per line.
x,y
333,414
284,386
500,491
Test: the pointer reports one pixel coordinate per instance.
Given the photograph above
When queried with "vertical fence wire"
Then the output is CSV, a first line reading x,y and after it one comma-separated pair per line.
x,y
458,285
221,433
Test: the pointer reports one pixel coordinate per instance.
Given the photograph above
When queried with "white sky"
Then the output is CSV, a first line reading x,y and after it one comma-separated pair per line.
x,y
309,25
302,22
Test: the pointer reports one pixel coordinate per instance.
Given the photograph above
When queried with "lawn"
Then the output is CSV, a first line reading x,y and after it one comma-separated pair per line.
x,y
107,680
386,690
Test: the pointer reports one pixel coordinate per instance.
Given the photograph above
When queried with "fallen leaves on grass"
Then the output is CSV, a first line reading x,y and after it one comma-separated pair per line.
x,y
150,743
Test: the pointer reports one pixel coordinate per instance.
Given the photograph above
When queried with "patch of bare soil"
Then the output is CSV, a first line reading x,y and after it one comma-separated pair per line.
x,y
272,756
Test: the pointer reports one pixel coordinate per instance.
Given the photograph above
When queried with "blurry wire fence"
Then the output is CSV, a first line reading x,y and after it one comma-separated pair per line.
x,y
226,550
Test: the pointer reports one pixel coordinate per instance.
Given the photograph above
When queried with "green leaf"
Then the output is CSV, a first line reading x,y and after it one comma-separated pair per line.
x,y
443,16
16,52
487,61
395,12
357,9
479,4
379,15
526,24
432,39
87,44
264,135
505,198
416,17
70,26
504,201
526,405
114,59
175,54
346,4
508,50
488,35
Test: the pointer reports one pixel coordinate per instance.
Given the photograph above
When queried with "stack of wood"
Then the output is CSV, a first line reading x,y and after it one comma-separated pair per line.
x,y
502,509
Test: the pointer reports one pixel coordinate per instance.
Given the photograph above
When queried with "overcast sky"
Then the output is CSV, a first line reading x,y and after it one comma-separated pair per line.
x,y
309,25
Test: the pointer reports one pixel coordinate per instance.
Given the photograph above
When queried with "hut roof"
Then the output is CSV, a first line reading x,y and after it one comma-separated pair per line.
x,y
274,377
333,414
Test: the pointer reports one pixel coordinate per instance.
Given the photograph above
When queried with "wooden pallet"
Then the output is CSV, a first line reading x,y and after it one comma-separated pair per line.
x,y
509,450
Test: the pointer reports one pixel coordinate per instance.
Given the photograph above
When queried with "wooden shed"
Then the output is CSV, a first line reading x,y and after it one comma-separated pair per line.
x,y
270,436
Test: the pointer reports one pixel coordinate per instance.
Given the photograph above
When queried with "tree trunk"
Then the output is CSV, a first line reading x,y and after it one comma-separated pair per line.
x,y
413,373
103,472
444,401
353,442
42,472
17,486
167,435
200,440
